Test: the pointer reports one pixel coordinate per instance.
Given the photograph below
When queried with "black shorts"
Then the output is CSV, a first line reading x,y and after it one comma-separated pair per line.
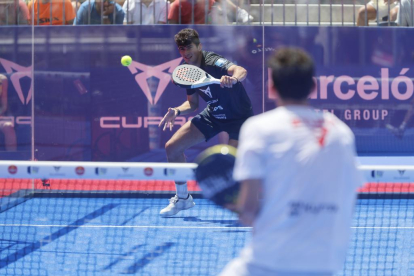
x,y
210,126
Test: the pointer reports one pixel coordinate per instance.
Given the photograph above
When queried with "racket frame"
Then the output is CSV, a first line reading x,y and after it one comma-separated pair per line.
x,y
206,80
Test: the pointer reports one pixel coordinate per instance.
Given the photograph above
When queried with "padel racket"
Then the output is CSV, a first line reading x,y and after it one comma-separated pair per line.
x,y
214,175
190,76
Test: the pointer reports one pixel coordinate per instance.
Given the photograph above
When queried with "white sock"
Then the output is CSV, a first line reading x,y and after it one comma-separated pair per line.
x,y
182,191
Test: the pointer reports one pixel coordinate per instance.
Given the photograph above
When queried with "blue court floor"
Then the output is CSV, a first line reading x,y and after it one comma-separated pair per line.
x,y
116,236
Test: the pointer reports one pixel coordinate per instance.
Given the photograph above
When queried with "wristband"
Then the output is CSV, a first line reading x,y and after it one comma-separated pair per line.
x,y
236,79
178,111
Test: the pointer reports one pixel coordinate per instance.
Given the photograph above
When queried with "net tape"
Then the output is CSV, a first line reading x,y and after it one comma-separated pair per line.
x,y
158,171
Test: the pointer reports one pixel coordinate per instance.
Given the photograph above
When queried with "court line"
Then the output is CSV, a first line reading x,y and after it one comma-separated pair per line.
x,y
383,227
124,226
177,227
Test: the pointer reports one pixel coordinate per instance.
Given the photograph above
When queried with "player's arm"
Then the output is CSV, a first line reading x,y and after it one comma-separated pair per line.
x,y
250,170
69,13
173,13
248,203
190,105
236,74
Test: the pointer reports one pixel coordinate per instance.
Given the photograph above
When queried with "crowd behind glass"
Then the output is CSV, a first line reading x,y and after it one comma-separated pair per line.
x,y
146,12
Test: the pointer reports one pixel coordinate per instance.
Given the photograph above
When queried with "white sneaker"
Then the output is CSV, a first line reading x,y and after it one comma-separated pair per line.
x,y
243,16
176,205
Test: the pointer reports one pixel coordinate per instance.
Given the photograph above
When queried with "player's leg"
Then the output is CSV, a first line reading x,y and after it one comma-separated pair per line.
x,y
9,136
234,143
223,137
233,129
371,14
399,131
187,136
407,116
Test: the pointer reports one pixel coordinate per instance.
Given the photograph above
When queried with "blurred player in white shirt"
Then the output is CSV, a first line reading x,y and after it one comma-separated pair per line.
x,y
302,164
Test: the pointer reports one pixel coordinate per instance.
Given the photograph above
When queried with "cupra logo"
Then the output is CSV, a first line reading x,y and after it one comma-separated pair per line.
x,y
153,71
17,72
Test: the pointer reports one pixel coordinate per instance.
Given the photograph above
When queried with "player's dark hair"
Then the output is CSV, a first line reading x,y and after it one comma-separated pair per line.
x,y
186,37
292,73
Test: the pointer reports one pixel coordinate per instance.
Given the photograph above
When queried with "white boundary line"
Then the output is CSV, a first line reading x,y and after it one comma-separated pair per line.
x,y
123,226
383,227
177,227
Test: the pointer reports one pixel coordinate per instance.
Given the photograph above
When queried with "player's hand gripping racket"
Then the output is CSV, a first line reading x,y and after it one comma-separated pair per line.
x,y
190,76
214,175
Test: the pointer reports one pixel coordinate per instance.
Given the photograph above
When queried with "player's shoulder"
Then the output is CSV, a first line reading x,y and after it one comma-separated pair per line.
x,y
208,55
214,59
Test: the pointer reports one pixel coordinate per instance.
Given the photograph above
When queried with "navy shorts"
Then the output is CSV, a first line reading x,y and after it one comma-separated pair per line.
x,y
210,126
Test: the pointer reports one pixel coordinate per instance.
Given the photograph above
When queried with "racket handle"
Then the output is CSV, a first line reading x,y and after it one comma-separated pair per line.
x,y
205,83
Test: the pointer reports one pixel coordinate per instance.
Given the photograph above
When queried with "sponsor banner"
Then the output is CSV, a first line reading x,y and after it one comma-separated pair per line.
x,y
96,170
395,175
367,83
99,110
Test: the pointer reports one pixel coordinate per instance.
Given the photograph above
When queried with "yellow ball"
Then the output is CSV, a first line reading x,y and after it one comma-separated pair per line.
x,y
126,60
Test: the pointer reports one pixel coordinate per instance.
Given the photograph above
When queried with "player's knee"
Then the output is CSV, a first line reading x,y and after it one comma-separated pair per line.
x,y
7,127
171,149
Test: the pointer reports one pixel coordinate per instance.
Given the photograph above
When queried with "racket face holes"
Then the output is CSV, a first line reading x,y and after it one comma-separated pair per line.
x,y
188,74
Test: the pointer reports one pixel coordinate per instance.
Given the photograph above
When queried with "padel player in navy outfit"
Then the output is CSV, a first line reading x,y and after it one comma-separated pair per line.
x,y
228,107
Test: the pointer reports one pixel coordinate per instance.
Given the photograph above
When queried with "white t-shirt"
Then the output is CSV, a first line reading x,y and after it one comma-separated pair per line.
x,y
132,9
404,13
307,163
382,8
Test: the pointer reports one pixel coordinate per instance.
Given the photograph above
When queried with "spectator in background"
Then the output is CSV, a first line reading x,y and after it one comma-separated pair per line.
x,y
404,13
199,12
153,12
52,12
371,9
225,11
76,4
12,15
6,127
97,12
187,10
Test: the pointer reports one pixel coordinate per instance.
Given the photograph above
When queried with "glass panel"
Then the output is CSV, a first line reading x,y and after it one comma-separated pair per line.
x,y
16,90
16,100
